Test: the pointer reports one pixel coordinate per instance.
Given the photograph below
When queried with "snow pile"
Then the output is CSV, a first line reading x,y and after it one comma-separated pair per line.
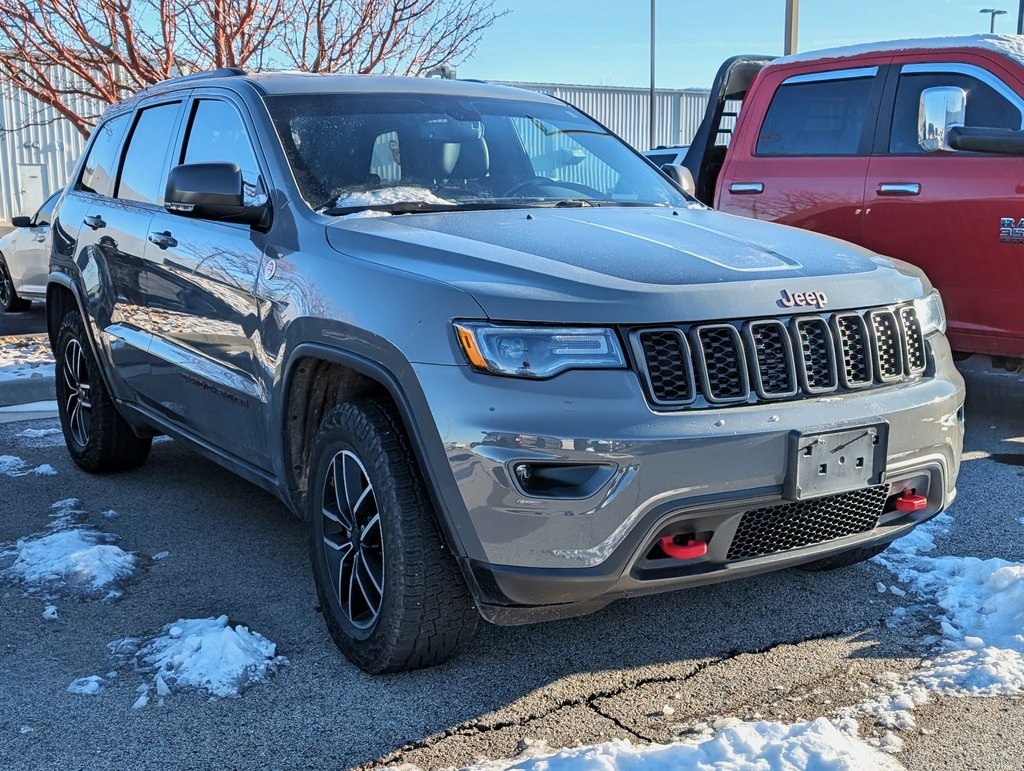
x,y
13,466
38,433
87,686
22,358
981,651
79,561
40,437
388,195
818,744
204,654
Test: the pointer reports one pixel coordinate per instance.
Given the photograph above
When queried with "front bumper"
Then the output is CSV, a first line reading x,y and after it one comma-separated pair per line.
x,y
532,555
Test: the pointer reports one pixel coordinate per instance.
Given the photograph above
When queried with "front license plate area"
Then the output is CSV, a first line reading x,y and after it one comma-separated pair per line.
x,y
831,462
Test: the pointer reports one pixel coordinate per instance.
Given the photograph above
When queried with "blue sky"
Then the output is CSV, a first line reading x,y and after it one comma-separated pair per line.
x,y
606,42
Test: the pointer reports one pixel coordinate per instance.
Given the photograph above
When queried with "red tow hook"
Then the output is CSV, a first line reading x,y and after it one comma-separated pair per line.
x,y
683,551
910,501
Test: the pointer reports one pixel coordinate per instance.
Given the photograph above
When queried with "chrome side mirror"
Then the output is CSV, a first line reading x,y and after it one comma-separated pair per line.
x,y
942,108
681,176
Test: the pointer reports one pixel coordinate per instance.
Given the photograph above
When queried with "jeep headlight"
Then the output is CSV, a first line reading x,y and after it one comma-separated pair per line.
x,y
930,313
538,352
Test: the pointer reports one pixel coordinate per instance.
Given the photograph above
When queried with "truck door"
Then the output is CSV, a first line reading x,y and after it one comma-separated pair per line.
x,y
805,164
944,211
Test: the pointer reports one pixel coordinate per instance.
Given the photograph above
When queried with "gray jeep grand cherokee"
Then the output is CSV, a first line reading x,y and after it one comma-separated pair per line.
x,y
497,362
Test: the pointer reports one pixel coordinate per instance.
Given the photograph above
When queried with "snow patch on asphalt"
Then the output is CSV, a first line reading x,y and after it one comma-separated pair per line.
x,y
818,744
23,358
40,437
13,466
201,654
87,686
67,559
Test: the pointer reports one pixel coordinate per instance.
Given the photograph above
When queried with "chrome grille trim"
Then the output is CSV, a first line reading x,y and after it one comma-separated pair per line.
x,y
722,367
771,359
853,348
816,354
767,355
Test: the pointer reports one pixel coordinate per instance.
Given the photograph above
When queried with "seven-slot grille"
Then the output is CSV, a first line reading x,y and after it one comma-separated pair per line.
x,y
764,359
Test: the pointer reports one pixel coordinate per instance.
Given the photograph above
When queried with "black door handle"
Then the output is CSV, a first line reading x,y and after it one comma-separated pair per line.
x,y
95,222
164,240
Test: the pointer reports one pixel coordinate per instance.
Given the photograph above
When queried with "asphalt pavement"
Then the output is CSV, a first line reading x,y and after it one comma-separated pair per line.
x,y
32,321
785,646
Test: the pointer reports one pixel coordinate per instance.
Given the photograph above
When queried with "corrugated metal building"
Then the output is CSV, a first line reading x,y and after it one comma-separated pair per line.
x,y
37,152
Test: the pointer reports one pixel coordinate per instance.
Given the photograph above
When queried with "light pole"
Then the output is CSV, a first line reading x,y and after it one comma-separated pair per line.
x,y
652,115
792,23
1020,19
994,12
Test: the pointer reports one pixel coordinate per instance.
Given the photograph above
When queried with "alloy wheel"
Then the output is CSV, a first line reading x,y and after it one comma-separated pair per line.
x,y
6,289
77,397
353,540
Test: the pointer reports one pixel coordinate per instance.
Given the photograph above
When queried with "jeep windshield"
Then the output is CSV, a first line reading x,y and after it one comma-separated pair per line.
x,y
406,153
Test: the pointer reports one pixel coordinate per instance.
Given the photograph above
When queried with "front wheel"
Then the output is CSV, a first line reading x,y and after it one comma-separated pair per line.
x,y
390,591
97,437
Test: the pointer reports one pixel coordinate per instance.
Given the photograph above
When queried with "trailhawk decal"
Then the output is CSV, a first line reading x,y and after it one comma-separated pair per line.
x,y
800,299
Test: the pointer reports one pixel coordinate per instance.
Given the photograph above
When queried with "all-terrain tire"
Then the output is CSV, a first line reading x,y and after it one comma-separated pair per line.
x,y
846,558
97,437
9,300
371,525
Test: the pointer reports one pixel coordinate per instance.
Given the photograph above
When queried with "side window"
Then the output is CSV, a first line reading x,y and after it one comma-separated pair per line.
x,y
986,107
45,213
386,159
823,117
218,135
141,170
100,166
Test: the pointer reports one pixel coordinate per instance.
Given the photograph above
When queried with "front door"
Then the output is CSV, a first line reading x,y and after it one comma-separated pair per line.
x,y
956,215
30,179
805,165
201,277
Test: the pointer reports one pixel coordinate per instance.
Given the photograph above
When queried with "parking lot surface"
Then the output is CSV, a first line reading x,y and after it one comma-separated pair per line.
x,y
787,646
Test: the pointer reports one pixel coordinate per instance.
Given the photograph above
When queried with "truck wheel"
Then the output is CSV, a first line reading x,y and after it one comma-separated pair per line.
x,y
9,300
97,437
846,558
390,590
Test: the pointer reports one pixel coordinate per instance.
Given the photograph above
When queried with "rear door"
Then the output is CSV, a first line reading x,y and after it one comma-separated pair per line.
x,y
944,211
201,277
805,164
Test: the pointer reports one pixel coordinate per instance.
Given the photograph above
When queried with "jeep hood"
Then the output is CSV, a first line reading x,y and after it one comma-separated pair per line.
x,y
623,264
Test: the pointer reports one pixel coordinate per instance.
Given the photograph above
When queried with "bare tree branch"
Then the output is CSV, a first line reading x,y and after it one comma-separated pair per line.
x,y
76,57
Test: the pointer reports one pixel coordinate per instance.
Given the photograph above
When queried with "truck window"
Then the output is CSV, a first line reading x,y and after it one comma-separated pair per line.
x,y
100,166
218,135
141,172
821,117
986,107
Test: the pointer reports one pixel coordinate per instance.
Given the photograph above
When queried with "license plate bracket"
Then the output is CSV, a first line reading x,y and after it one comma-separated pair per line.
x,y
836,461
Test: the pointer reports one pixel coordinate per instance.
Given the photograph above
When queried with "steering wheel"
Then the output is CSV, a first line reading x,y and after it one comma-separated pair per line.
x,y
541,182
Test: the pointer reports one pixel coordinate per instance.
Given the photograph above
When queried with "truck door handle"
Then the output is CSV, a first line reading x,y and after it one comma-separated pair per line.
x,y
40,237
95,222
746,188
163,240
899,188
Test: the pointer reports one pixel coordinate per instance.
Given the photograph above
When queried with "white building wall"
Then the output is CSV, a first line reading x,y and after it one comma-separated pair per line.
x,y
30,136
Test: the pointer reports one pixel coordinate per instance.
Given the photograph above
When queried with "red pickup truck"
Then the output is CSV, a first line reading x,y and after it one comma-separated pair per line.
x,y
913,149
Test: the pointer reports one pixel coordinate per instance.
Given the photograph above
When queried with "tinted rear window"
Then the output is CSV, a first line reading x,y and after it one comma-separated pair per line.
x,y
816,118
143,167
101,164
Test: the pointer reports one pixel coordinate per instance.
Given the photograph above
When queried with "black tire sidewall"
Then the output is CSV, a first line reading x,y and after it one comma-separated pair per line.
x,y
72,328
352,432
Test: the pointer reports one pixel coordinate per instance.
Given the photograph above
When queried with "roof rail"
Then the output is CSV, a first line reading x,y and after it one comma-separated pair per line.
x,y
221,72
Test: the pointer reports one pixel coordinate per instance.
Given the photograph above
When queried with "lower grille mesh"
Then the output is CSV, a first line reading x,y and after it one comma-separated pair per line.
x,y
802,523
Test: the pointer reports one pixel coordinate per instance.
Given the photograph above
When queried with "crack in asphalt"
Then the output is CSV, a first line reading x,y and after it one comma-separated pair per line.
x,y
475,728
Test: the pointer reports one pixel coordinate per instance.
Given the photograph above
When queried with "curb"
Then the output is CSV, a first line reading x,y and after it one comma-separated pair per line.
x,y
27,390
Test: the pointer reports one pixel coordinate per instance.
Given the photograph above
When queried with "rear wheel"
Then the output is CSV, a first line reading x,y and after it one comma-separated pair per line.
x,y
97,437
390,591
846,558
9,300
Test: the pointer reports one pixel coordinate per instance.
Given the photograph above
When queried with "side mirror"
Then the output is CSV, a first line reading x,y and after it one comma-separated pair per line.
x,y
212,191
21,222
681,176
942,109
